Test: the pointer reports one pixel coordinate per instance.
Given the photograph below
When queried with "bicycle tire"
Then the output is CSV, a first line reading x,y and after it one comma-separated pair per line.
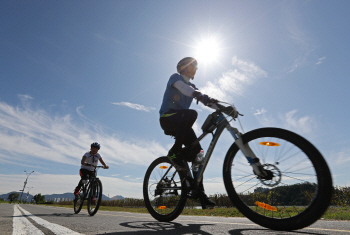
x,y
96,193
79,201
164,205
288,211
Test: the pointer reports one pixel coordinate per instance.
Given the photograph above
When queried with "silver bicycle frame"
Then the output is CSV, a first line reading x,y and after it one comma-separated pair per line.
x,y
220,124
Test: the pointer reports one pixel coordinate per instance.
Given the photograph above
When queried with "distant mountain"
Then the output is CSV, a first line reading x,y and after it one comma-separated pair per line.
x,y
67,197
24,196
118,197
56,197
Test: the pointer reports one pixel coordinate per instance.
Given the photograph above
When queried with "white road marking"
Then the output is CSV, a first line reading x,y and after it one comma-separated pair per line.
x,y
21,228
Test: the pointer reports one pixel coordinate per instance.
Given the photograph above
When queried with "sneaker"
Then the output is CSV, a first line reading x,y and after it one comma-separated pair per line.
x,y
208,202
175,159
76,191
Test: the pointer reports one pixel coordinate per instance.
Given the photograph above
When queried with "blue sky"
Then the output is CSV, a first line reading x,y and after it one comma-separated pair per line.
x,y
75,72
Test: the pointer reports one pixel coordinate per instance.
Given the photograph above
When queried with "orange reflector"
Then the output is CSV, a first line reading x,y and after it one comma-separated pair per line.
x,y
162,207
269,144
163,167
266,206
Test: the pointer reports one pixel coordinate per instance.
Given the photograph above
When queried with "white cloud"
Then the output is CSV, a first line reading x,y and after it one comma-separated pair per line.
x,y
234,82
298,44
289,120
30,134
302,125
320,60
341,157
135,106
25,97
260,111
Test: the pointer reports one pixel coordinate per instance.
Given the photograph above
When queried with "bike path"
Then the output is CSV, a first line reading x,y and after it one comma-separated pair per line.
x,y
45,218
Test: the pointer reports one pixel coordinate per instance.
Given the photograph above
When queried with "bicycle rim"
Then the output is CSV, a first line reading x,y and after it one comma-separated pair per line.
x,y
95,196
298,187
78,202
163,190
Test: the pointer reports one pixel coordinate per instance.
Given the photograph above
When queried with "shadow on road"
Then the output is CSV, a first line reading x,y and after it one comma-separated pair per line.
x,y
146,227
169,228
267,231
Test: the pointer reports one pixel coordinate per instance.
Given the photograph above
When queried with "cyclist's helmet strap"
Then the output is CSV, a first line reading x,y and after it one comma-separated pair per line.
x,y
184,62
96,145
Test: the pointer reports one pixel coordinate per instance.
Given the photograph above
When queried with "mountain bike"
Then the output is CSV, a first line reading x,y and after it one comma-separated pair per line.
x,y
90,191
259,168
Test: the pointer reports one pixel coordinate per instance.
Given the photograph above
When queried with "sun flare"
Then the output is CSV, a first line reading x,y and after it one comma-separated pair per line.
x,y
208,50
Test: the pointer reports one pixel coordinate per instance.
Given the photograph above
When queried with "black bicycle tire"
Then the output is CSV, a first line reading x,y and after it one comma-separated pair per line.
x,y
76,211
183,198
92,213
318,206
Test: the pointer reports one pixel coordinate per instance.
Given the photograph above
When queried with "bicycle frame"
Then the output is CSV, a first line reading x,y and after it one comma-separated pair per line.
x,y
87,187
219,125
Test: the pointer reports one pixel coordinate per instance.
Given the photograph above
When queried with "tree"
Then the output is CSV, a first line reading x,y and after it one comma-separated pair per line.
x,y
39,198
12,197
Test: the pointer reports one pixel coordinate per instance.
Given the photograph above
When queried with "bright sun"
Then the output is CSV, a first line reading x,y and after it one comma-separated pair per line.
x,y
207,50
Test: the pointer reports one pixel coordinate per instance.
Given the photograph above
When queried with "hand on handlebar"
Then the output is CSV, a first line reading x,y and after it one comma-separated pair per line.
x,y
231,111
205,99
105,167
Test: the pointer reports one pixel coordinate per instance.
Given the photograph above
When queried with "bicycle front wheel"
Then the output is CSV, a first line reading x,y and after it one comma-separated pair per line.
x,y
297,188
163,190
79,201
95,196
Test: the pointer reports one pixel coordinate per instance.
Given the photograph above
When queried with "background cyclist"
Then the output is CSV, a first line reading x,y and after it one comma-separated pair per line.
x,y
177,119
92,157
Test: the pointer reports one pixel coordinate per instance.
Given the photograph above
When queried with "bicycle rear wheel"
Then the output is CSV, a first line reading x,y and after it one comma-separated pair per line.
x,y
163,191
95,196
79,201
297,189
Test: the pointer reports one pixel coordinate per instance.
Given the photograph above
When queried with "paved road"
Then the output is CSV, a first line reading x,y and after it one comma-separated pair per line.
x,y
36,220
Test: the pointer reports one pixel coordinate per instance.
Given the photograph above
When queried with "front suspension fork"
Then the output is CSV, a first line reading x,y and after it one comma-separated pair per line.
x,y
247,151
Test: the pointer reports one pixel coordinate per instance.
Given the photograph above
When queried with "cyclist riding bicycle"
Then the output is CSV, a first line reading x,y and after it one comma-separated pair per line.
x,y
176,119
91,158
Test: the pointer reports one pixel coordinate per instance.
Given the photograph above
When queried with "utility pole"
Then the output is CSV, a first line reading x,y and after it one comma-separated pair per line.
x,y
28,193
25,183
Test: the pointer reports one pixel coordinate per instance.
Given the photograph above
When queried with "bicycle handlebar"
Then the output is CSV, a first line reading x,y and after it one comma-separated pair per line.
x,y
87,164
229,110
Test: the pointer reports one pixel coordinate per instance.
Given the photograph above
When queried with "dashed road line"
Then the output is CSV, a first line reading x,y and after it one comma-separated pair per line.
x,y
22,226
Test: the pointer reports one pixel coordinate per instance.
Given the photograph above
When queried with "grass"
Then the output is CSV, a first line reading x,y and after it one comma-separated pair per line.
x,y
333,213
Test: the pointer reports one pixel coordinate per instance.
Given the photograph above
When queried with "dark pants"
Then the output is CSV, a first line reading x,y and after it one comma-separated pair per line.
x,y
178,123
84,174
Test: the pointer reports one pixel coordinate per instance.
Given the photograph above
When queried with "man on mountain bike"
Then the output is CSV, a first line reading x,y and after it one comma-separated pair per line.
x,y
176,119
92,157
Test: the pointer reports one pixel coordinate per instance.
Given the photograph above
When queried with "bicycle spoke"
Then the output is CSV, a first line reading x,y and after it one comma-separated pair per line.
x,y
289,167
